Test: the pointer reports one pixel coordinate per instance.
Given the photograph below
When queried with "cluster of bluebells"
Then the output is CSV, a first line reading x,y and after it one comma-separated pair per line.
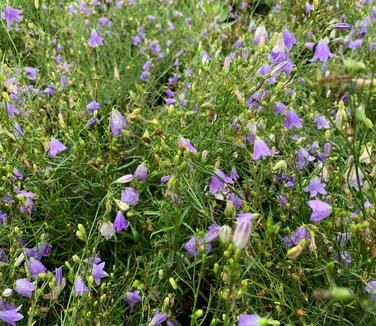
x,y
282,177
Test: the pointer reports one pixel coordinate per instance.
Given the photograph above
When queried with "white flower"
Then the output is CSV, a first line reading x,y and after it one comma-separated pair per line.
x,y
107,230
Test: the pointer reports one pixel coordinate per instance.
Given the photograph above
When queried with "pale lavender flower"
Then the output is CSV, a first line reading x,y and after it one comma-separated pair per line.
x,y
95,39
19,129
117,123
92,106
49,90
71,9
260,33
343,238
158,318
35,267
18,174
141,172
24,287
79,286
298,235
315,187
11,15
10,316
322,122
165,178
308,7
205,57
192,246
155,47
279,108
249,320
322,52
345,258
98,272
310,45
320,210
355,44
84,8
56,147
43,249
260,150
303,156
63,81
371,289
288,39
292,120
234,174
31,73
186,144
212,233
218,182
91,121
129,196
243,230
103,21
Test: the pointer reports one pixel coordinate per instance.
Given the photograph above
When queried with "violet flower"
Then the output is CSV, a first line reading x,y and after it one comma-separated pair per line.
x,y
355,44
298,235
341,26
92,106
132,298
120,222
58,275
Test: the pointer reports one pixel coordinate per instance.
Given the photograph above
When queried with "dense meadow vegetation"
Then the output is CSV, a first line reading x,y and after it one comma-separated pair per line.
x,y
187,162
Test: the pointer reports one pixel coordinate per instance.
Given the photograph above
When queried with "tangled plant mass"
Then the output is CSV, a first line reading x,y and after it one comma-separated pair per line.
x,y
202,162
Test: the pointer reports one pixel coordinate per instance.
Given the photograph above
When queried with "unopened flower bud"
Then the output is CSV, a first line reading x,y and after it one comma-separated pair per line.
x,y
7,293
199,313
224,233
243,230
173,283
